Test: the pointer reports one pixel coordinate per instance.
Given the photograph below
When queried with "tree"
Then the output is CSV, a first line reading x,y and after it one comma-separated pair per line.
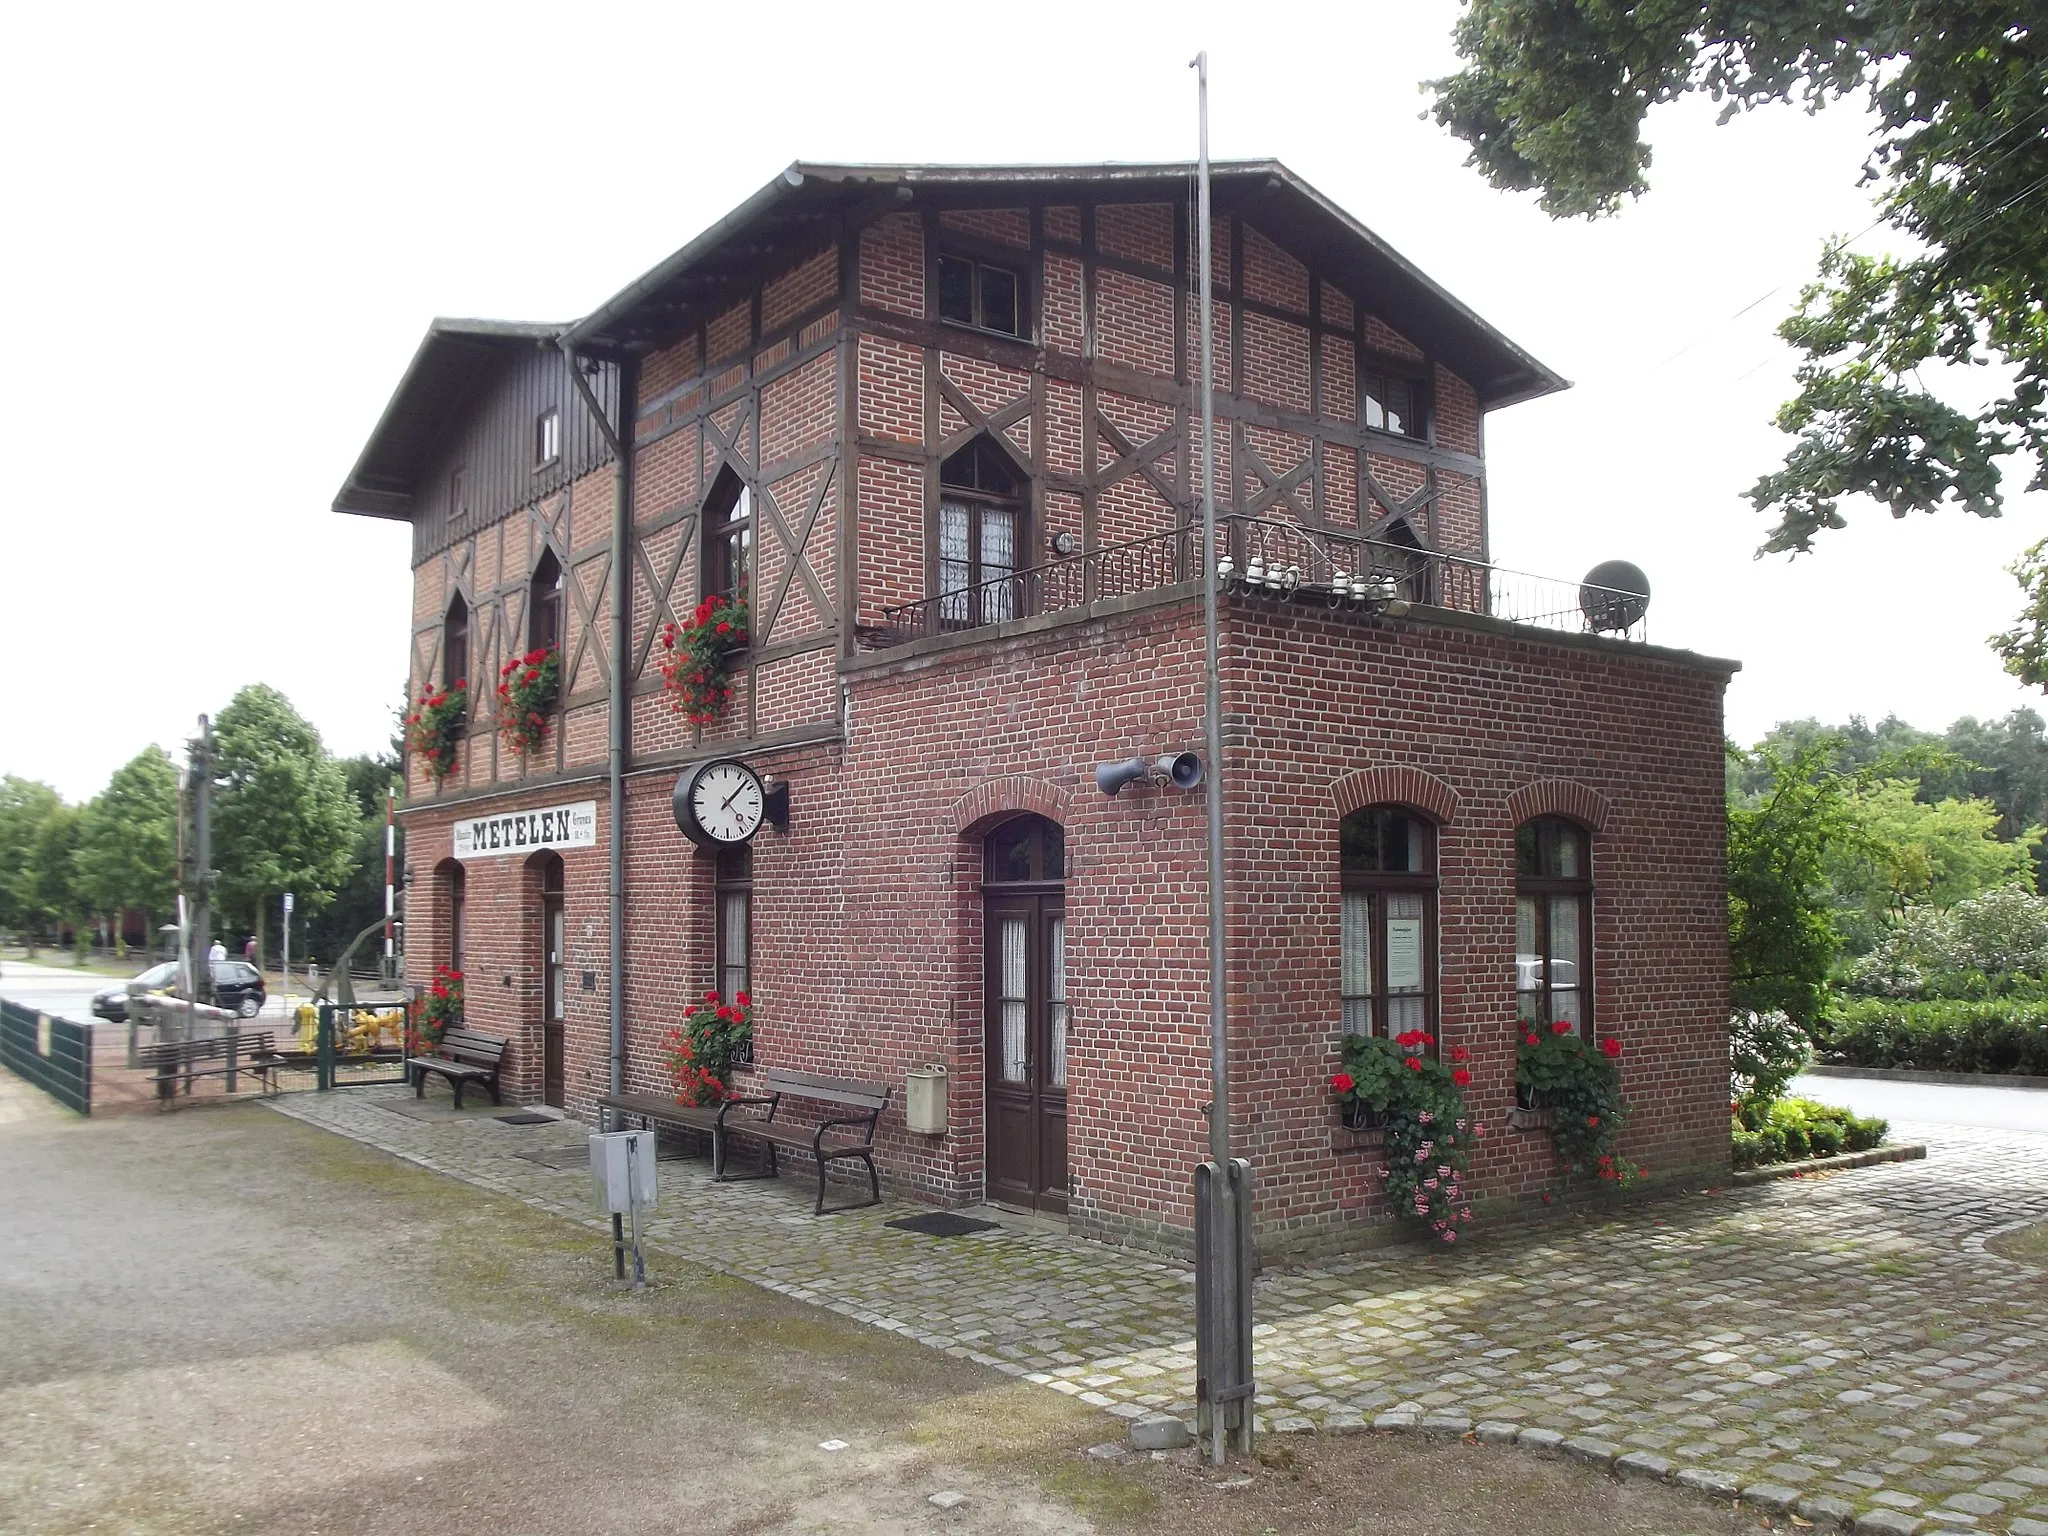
x,y
23,805
54,897
1912,853
1782,939
128,841
1553,97
283,819
360,901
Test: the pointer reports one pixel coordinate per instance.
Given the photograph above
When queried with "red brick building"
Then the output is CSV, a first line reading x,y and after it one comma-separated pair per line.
x,y
940,425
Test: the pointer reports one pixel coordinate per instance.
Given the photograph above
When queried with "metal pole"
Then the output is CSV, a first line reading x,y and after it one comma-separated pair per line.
x,y
202,868
390,870
1223,1188
285,966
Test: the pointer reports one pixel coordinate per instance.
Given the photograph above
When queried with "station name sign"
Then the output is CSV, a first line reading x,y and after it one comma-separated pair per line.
x,y
561,826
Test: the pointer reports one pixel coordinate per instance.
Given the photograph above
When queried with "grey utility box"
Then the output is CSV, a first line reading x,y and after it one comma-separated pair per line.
x,y
924,1100
622,1171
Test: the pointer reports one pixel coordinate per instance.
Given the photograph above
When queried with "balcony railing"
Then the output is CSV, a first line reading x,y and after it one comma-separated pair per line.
x,y
1267,557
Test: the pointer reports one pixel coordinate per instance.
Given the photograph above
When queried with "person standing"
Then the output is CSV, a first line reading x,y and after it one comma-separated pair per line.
x,y
218,953
249,950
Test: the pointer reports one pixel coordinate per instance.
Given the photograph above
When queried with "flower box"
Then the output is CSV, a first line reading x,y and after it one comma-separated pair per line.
x,y
1532,1119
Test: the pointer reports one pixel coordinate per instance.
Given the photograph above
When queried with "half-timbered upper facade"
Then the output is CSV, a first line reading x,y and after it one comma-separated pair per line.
x,y
939,425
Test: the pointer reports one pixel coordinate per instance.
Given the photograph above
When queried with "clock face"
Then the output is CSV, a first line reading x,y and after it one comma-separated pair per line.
x,y
726,801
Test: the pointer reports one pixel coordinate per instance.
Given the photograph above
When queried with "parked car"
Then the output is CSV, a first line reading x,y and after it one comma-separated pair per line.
x,y
113,1002
236,984
239,985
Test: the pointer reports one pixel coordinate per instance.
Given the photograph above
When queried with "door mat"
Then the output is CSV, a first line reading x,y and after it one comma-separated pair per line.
x,y
559,1158
526,1117
941,1224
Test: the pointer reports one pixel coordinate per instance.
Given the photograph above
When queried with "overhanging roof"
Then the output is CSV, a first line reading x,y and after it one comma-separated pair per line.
x,y
454,360
803,204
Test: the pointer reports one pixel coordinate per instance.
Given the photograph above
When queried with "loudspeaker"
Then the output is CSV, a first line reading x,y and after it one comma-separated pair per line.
x,y
1111,777
1183,770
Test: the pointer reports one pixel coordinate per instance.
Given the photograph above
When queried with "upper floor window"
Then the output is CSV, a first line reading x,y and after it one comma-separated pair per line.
x,y
547,437
544,603
1387,943
455,643
1392,403
980,531
1553,923
977,294
728,537
458,495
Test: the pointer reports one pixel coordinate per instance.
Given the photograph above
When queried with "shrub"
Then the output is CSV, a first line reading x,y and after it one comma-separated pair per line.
x,y
1765,1052
1991,945
1995,1035
1791,1129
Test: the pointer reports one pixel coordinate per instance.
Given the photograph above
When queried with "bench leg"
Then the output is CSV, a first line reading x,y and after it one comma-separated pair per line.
x,y
874,1182
457,1084
419,1081
492,1084
717,1153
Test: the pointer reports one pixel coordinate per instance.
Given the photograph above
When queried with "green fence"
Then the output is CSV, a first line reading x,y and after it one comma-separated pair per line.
x,y
54,1054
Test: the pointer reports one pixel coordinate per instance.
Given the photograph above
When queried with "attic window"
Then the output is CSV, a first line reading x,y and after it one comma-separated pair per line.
x,y
1392,403
974,293
547,438
458,496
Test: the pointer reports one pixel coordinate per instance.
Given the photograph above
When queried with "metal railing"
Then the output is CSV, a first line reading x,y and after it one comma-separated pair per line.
x,y
1274,558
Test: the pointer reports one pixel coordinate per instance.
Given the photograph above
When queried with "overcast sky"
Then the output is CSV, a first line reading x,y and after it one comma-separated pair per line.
x,y
229,229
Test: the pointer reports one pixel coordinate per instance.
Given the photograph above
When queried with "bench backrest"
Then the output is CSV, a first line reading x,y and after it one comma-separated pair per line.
x,y
466,1045
831,1090
212,1048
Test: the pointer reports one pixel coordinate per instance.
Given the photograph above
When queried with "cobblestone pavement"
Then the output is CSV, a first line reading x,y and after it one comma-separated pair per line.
x,y
1843,1346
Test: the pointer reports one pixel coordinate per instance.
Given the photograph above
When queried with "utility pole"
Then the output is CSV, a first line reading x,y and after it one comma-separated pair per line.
x,y
1224,1387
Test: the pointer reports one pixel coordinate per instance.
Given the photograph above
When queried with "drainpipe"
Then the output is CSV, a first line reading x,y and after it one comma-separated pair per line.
x,y
618,432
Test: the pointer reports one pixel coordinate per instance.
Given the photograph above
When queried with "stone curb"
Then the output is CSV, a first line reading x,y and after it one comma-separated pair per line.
x,y
1906,1152
1916,1075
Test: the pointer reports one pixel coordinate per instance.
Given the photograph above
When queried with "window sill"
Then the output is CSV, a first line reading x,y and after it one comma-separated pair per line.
x,y
1531,1119
981,330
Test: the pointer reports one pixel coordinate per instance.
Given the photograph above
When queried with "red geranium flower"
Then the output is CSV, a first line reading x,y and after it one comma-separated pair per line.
x,y
1562,1026
1530,1040
1414,1063
1461,1077
1459,1053
1592,1122
1342,1082
744,999
1610,1047
710,997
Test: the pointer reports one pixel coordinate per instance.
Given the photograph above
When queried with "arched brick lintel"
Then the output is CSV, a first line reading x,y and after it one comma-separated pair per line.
x,y
1396,785
1559,797
1005,797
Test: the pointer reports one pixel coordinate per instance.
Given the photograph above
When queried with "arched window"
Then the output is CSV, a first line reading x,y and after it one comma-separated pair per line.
x,y
544,603
981,529
1388,938
735,936
455,643
728,537
1554,923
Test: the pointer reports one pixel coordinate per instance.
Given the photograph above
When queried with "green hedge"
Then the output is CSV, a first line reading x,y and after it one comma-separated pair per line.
x,y
1985,1035
1790,1129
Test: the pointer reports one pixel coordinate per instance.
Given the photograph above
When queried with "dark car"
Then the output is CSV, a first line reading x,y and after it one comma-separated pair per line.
x,y
236,985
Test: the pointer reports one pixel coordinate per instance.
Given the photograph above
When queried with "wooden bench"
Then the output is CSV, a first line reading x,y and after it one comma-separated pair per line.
x,y
224,1056
464,1056
773,1086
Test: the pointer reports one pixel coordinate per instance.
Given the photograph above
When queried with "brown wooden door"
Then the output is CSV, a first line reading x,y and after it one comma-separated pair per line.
x,y
554,998
1026,993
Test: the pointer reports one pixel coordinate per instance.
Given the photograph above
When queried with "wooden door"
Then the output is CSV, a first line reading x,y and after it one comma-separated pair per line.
x,y
554,999
1026,1049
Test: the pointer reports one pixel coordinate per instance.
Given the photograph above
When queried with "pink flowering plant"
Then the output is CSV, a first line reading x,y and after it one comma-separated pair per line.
x,y
1559,1069
1420,1100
